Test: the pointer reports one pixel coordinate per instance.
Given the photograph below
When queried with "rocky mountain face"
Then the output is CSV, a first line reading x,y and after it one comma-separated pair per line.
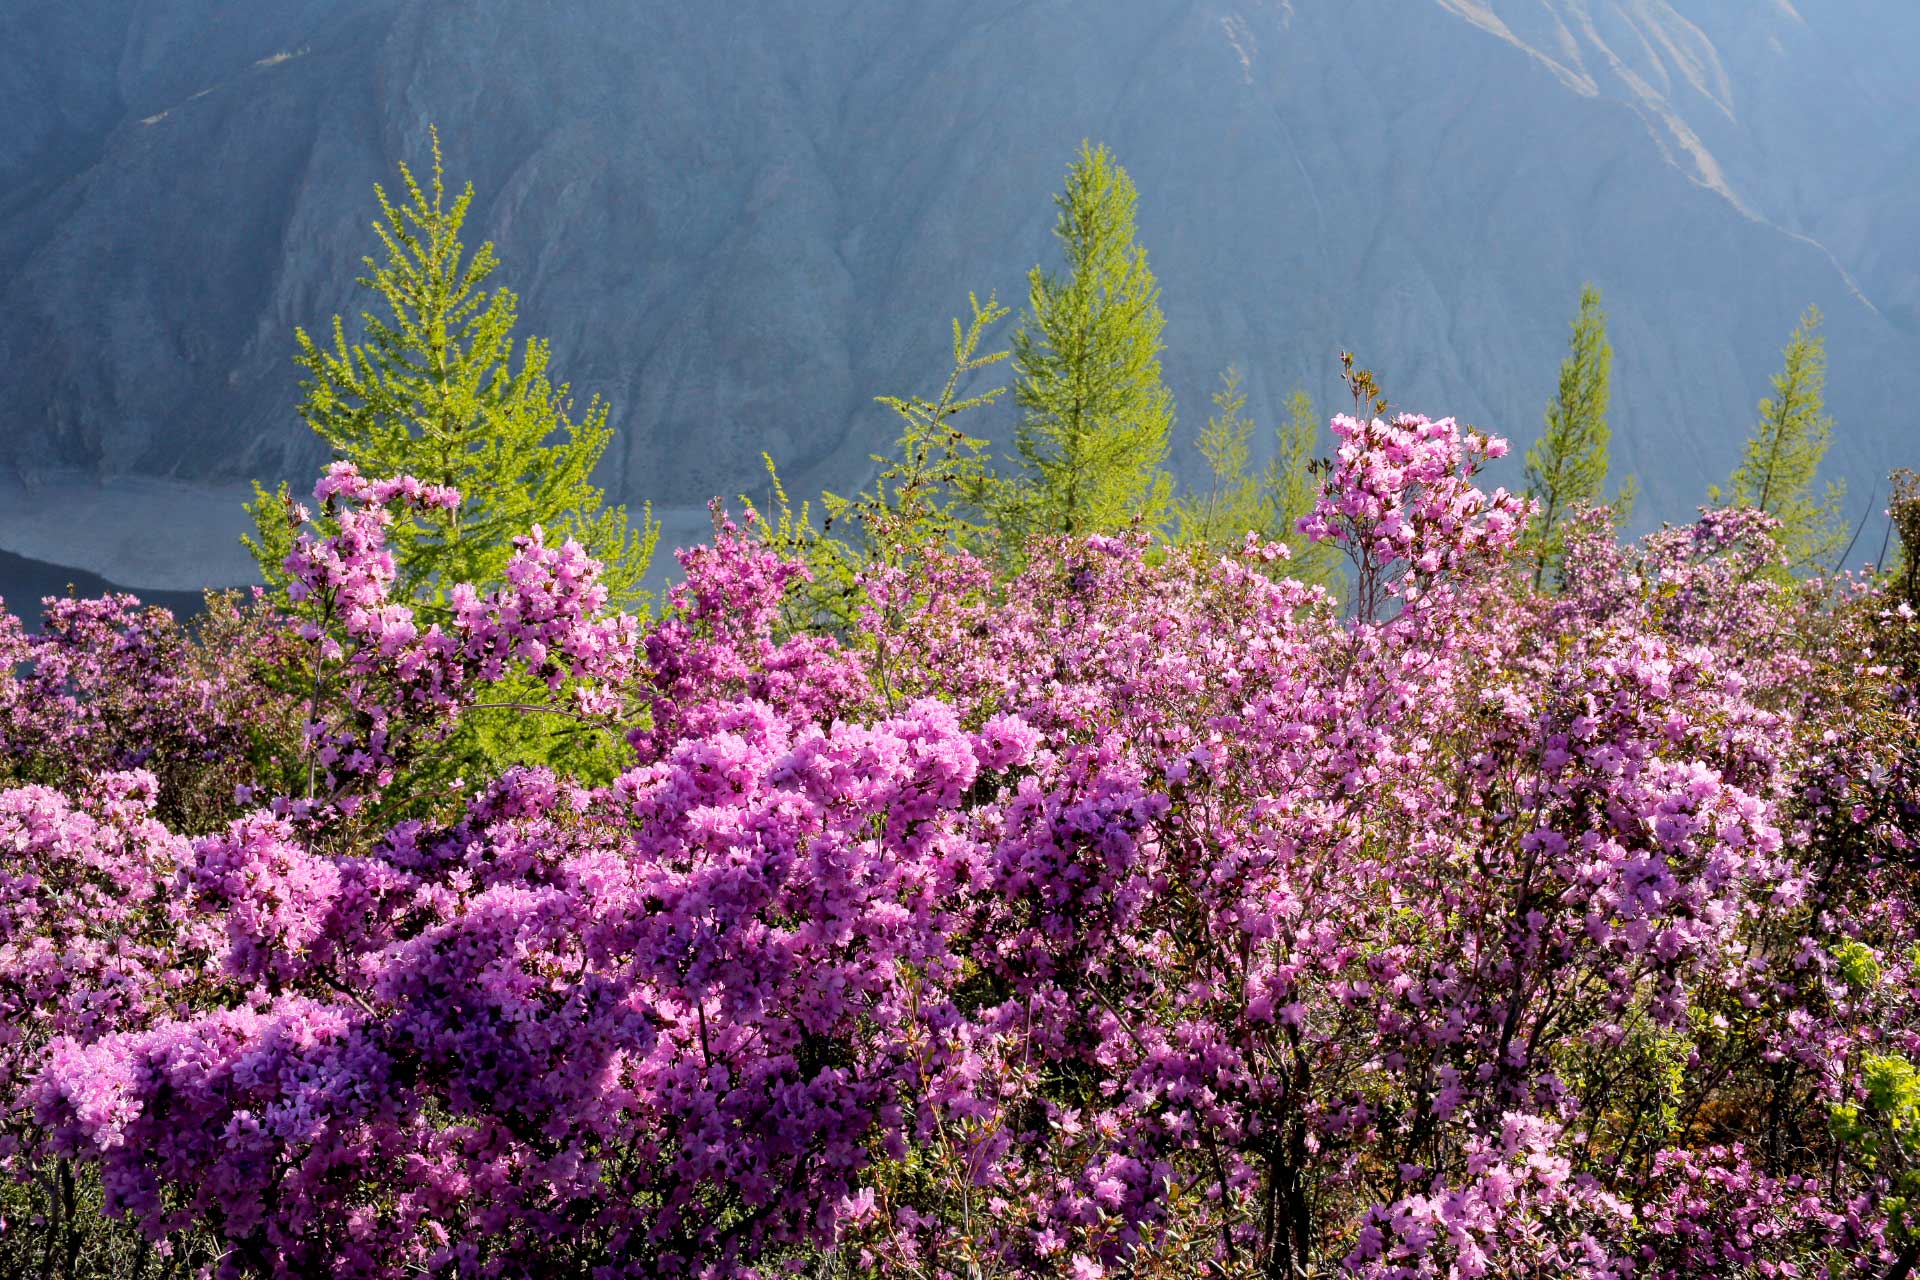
x,y
741,222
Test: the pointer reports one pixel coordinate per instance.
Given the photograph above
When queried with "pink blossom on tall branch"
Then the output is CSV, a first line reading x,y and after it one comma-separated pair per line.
x,y
1399,498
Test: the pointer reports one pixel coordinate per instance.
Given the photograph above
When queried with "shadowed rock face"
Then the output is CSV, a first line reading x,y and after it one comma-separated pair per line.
x,y
740,222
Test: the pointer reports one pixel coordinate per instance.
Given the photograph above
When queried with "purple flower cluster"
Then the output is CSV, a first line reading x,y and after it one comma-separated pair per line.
x,y
1136,915
111,685
384,683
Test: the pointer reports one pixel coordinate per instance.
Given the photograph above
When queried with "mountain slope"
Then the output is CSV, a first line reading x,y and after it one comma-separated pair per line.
x,y
742,222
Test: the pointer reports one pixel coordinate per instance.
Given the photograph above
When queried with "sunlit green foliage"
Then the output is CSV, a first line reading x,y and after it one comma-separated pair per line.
x,y
1781,461
930,492
1885,1128
1567,468
1232,503
1095,415
1292,488
1270,501
1903,510
440,388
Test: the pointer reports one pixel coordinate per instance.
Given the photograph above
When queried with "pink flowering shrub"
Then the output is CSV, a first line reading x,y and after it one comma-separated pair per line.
x,y
110,684
723,639
1136,915
1400,500
92,941
383,684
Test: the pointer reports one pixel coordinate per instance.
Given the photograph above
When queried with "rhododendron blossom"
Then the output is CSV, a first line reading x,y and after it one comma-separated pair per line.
x,y
1140,913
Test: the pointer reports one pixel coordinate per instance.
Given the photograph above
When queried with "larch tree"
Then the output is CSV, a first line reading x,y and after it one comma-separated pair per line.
x,y
1233,502
1781,461
1567,468
440,388
1292,489
1095,415
929,493
1270,501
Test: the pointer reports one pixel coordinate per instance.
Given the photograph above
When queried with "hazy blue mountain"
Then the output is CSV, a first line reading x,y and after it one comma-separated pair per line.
x,y
740,222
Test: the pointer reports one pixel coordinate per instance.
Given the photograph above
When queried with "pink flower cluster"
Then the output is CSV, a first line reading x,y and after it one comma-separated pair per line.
x,y
1400,499
1135,915
723,639
383,684
109,685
